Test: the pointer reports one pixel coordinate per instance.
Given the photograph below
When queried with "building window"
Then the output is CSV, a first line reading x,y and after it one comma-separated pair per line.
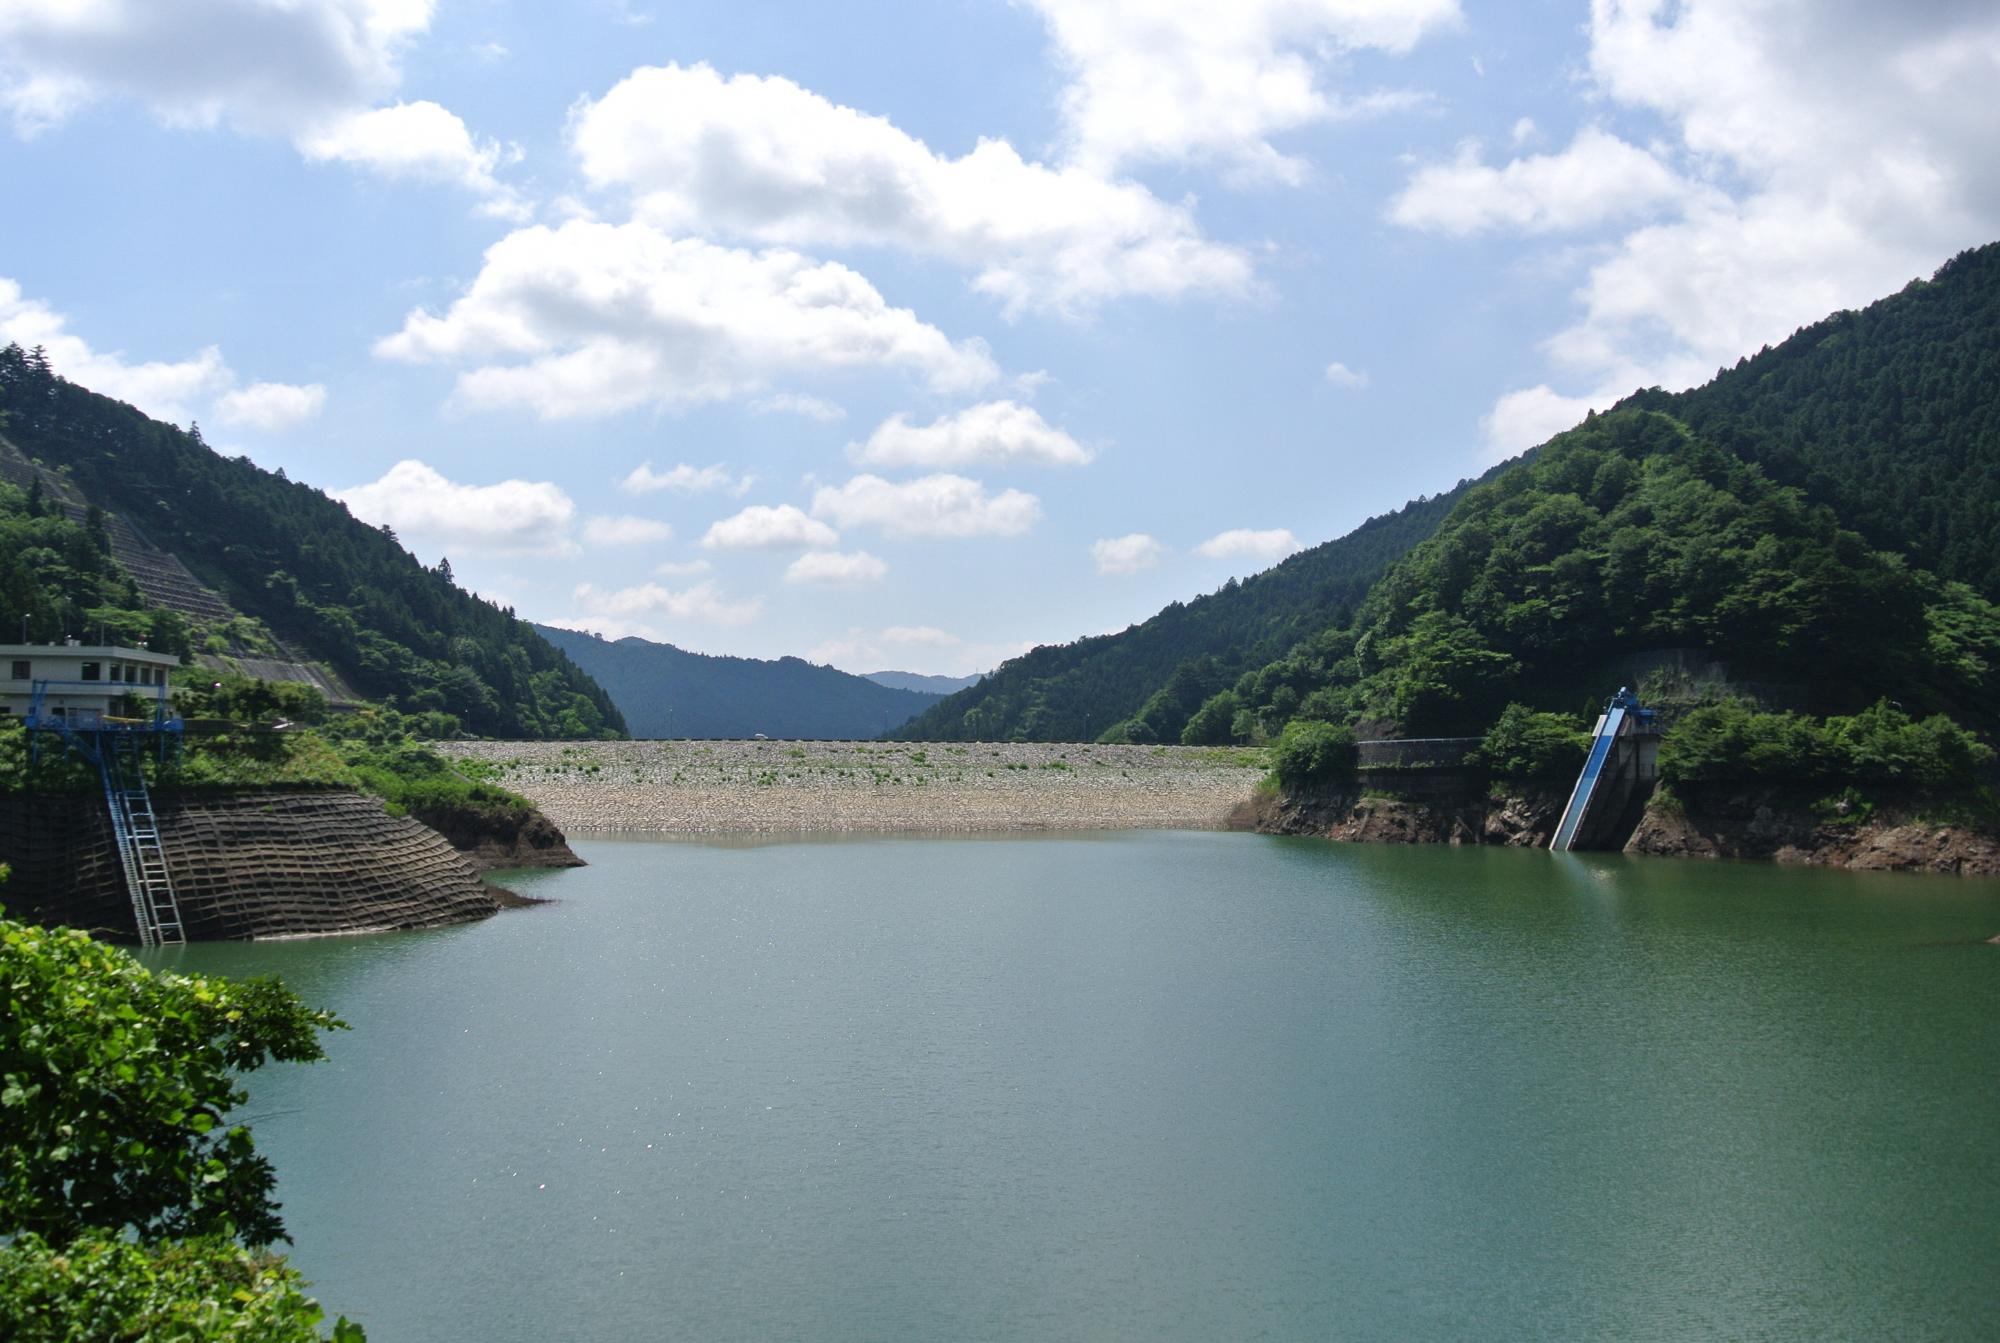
x,y
22,671
93,671
117,671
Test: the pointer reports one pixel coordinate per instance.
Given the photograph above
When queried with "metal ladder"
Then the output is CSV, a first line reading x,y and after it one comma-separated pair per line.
x,y
154,908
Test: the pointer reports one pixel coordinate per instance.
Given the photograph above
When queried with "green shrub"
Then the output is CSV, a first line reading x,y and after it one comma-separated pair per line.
x,y
100,1286
1524,744
115,1089
1311,754
1882,745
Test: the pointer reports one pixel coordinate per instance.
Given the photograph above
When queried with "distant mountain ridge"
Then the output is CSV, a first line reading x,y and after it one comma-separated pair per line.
x,y
929,685
664,691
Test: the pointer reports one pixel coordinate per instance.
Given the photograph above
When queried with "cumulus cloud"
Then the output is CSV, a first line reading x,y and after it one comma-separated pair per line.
x,y
993,433
309,71
1246,543
684,479
833,568
270,406
801,405
760,157
930,506
421,141
1840,150
1130,554
1520,419
682,568
1598,179
625,608
1154,81
625,530
170,389
591,319
1340,375
510,517
763,527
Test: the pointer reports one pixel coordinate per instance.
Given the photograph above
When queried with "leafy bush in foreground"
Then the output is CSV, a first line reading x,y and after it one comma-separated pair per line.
x,y
100,1286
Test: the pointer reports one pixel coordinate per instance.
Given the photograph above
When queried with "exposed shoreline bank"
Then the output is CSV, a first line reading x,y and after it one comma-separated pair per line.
x,y
823,787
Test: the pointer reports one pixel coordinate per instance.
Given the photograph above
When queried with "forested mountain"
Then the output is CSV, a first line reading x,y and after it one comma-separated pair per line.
x,y
285,553
1141,683
1882,425
1890,415
669,692
1769,519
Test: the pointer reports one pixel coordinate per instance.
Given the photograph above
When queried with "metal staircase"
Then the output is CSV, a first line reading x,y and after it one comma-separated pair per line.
x,y
154,908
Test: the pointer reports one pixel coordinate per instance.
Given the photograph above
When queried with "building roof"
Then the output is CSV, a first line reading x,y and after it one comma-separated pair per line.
x,y
107,652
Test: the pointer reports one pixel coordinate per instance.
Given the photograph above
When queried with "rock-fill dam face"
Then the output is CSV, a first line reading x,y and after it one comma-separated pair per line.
x,y
244,865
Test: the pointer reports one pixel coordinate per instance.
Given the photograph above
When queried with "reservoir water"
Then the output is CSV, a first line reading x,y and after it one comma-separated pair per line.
x,y
1153,1085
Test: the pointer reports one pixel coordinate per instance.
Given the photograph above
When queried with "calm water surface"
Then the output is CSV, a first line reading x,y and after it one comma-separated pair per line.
x,y
1154,1085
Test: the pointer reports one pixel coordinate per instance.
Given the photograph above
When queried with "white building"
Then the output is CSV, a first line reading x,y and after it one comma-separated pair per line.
x,y
83,683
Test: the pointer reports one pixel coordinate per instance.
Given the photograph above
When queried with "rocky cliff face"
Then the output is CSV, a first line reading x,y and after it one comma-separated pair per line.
x,y
1767,823
1457,809
1721,823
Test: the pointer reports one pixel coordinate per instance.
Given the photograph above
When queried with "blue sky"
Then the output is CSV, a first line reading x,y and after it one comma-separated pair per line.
x,y
913,335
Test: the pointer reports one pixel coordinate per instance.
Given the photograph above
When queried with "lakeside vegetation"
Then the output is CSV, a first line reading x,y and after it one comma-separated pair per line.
x,y
133,1202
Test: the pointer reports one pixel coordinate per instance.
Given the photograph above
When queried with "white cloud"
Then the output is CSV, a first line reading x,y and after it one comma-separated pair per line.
x,y
763,527
512,516
262,67
685,479
423,142
1521,419
801,405
682,568
1598,179
1340,375
625,530
309,71
1126,554
919,636
835,569
760,157
270,406
1840,149
164,389
591,319
1524,132
993,433
1167,80
930,506
1245,543
702,602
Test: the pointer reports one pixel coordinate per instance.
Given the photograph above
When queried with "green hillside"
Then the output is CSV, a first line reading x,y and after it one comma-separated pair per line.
x,y
281,552
1781,520
1142,683
669,692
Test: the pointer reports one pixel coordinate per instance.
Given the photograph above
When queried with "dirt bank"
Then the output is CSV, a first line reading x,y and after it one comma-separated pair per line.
x,y
495,838
704,787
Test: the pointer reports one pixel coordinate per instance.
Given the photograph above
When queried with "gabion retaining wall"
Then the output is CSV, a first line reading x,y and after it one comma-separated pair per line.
x,y
244,865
